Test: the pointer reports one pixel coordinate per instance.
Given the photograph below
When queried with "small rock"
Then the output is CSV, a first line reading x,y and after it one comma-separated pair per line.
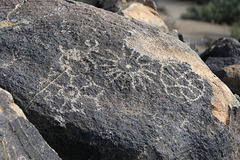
x,y
176,34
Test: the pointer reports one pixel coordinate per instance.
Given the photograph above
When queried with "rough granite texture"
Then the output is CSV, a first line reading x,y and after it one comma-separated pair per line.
x,y
20,140
75,72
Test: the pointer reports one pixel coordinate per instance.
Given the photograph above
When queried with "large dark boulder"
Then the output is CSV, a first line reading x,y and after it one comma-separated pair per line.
x,y
222,53
20,140
98,86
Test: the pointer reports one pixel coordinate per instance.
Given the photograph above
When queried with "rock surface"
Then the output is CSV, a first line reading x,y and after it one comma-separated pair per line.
x,y
230,75
98,86
223,52
20,140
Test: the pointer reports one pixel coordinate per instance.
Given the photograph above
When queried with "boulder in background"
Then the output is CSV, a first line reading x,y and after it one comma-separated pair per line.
x,y
223,52
230,75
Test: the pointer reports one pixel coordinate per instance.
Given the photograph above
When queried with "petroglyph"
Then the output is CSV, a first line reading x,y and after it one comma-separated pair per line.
x,y
13,22
15,9
181,82
91,74
21,158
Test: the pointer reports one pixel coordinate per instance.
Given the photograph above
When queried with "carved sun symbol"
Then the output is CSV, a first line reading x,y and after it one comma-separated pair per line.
x,y
127,71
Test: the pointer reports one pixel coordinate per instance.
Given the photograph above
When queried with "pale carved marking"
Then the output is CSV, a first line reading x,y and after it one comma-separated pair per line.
x,y
15,9
21,158
123,73
183,85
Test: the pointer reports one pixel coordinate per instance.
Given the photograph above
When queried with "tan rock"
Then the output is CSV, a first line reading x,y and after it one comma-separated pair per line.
x,y
11,111
145,14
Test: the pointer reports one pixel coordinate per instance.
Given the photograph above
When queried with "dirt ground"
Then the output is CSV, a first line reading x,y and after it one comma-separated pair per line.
x,y
195,32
